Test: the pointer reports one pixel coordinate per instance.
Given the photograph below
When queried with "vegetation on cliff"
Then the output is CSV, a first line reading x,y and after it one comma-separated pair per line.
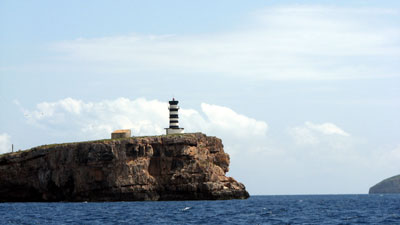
x,y
388,186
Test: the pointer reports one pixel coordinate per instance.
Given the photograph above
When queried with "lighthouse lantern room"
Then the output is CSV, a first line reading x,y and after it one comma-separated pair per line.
x,y
173,118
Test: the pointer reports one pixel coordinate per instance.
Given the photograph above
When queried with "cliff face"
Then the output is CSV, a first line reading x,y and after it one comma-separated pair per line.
x,y
387,186
173,167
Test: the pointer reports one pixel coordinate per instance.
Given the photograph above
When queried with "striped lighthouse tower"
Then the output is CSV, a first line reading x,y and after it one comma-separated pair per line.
x,y
173,118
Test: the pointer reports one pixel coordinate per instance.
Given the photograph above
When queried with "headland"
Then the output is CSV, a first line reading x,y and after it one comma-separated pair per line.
x,y
168,167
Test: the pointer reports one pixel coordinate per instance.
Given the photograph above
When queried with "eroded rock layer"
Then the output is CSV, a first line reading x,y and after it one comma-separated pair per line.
x,y
173,167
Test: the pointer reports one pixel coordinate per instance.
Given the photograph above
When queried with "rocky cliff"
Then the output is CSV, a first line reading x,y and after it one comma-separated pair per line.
x,y
172,167
387,186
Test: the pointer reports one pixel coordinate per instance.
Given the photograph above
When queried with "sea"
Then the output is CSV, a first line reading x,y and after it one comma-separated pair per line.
x,y
293,209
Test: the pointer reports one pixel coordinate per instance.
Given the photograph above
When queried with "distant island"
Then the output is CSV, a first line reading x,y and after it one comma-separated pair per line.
x,y
387,186
167,167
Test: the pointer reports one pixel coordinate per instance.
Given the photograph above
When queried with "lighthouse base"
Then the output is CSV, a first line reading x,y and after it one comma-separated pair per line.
x,y
174,130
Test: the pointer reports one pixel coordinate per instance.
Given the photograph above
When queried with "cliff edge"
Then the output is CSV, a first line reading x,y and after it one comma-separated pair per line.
x,y
387,186
171,167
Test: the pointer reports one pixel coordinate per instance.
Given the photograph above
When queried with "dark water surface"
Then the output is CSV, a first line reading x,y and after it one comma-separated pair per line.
x,y
302,209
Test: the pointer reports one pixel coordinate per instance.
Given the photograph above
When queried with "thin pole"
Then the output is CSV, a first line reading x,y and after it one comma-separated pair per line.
x,y
12,148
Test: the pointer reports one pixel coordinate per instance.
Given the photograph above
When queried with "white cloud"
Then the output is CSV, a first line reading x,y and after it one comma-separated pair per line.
x,y
294,42
5,143
98,119
313,134
145,117
224,118
326,128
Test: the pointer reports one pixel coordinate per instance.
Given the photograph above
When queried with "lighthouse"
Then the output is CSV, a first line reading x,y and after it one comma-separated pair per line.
x,y
173,118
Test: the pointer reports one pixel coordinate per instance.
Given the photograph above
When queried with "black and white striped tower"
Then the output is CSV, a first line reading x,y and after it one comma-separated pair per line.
x,y
173,118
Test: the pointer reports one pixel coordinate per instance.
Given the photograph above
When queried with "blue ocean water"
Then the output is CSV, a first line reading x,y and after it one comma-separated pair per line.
x,y
302,209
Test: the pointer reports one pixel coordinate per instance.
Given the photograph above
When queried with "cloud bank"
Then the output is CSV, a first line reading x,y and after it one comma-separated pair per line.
x,y
278,43
311,134
91,120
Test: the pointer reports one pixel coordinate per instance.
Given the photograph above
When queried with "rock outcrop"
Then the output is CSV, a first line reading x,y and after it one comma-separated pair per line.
x,y
387,186
172,167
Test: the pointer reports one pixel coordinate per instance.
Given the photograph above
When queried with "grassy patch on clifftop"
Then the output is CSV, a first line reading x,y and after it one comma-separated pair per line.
x,y
47,146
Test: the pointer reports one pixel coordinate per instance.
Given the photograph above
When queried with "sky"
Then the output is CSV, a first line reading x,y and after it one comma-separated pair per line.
x,y
305,95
